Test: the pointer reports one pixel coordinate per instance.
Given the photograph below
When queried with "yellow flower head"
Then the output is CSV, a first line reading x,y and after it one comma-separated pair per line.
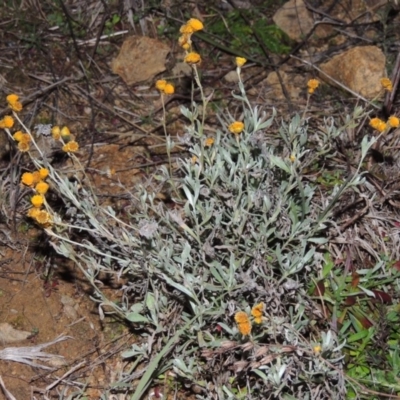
x,y
393,121
23,146
71,147
317,349
18,136
382,127
7,122
387,84
56,132
25,137
42,187
44,173
12,98
377,124
13,102
195,24
312,84
240,61
36,177
194,159
186,29
236,127
33,212
241,317
160,85
192,58
209,142
37,200
27,179
292,158
43,217
257,312
243,323
65,131
169,89
374,123
184,41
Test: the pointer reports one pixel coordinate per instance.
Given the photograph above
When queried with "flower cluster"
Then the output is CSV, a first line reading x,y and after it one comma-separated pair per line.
x,y
64,135
387,84
243,321
23,140
164,87
185,40
13,102
381,126
312,84
257,312
36,181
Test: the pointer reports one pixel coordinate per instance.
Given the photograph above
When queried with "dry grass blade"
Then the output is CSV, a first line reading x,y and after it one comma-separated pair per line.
x,y
28,355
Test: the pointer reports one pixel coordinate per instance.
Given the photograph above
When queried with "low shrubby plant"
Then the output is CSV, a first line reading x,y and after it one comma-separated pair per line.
x,y
216,283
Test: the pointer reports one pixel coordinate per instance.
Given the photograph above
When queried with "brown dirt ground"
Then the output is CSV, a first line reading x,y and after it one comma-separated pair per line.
x,y
30,302
31,292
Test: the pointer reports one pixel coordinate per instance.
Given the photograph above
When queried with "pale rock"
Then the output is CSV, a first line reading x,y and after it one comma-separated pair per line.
x,y
140,58
10,335
231,77
182,69
70,307
360,69
294,19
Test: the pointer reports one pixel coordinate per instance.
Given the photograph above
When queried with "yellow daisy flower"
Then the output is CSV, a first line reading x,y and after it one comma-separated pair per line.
x,y
317,349
236,127
56,132
240,61
209,142
27,179
169,89
160,84
33,212
257,312
312,84
42,187
71,147
18,136
13,102
36,177
65,131
23,146
387,84
243,323
44,173
186,29
192,58
7,122
37,200
184,41
195,24
43,217
393,121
